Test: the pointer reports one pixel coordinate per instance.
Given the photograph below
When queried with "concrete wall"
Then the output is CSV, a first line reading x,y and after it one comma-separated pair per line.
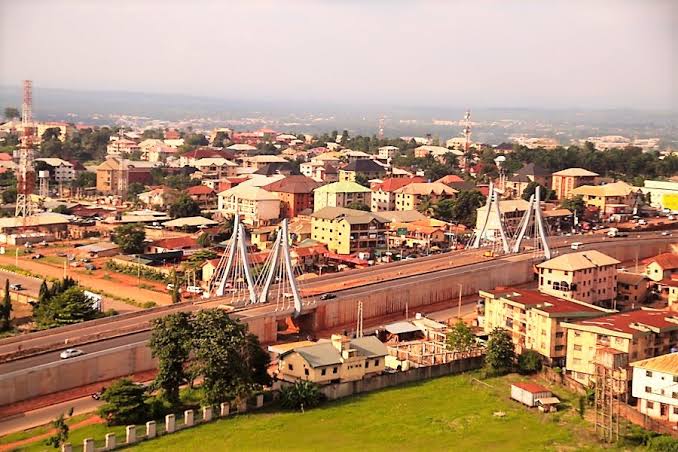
x,y
75,372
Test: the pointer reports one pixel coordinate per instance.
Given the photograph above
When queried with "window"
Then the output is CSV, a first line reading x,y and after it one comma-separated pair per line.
x,y
577,347
290,367
376,362
367,364
648,373
648,389
675,410
650,405
674,395
323,371
305,371
334,371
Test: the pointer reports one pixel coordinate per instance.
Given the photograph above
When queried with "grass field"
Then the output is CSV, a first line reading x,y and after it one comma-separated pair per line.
x,y
449,413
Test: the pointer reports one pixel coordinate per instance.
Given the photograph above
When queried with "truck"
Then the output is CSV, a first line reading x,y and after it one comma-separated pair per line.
x,y
614,232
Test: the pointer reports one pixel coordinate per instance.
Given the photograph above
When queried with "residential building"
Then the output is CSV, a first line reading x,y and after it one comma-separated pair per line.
x,y
258,161
388,152
160,153
618,198
347,231
295,194
340,194
456,182
383,197
412,196
421,234
255,205
515,185
365,168
655,385
122,146
351,156
190,157
202,194
638,334
662,266
437,152
184,243
632,288
338,360
215,167
108,174
588,276
662,194
563,182
160,197
320,171
534,319
59,170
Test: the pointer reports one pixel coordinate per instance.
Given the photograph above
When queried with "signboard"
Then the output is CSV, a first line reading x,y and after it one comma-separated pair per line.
x,y
670,201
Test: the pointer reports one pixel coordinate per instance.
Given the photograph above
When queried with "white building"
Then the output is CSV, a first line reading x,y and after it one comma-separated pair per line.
x,y
255,205
388,152
655,385
662,194
59,170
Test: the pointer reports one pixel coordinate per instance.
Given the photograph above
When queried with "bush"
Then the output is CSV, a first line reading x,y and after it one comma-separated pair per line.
x,y
125,403
301,395
662,444
529,362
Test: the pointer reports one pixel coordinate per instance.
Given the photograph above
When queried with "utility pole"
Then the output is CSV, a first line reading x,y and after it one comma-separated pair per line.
x,y
459,305
359,326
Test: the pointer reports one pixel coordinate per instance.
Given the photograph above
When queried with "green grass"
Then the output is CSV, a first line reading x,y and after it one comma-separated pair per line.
x,y
18,436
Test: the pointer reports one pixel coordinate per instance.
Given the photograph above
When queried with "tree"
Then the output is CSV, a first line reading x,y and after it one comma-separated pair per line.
x,y
499,356
9,195
196,139
426,205
575,204
460,338
529,362
61,434
12,113
171,343
184,207
301,395
86,179
176,291
361,179
134,189
6,309
544,193
62,209
219,139
444,209
130,238
66,308
357,205
124,403
465,206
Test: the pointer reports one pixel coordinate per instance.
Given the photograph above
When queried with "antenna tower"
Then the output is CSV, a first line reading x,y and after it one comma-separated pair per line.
x,y
382,122
25,176
467,130
123,174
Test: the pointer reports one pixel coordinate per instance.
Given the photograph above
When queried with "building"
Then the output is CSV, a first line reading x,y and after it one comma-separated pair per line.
x,y
388,152
618,198
189,158
655,385
361,168
202,194
108,174
412,196
563,182
383,196
588,276
534,319
341,194
258,161
639,334
320,171
347,231
295,194
632,288
338,360
422,234
516,184
59,170
122,146
436,152
255,205
160,197
662,266
662,194
215,167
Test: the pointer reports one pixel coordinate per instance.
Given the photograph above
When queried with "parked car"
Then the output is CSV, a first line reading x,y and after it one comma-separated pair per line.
x,y
86,260
327,296
576,245
193,289
97,395
90,267
71,353
37,256
16,287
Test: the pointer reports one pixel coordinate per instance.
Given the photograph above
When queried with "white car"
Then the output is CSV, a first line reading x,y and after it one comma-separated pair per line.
x,y
194,289
71,353
576,245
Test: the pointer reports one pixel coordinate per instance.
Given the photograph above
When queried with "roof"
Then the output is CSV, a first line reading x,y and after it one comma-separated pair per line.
x,y
427,188
97,247
401,327
614,189
265,159
199,190
450,179
530,387
665,363
369,346
343,187
532,169
175,243
394,183
189,221
204,152
633,322
51,161
630,278
549,304
42,219
579,261
270,169
364,166
250,193
548,400
212,161
242,147
320,354
402,216
438,150
667,261
353,216
576,172
293,184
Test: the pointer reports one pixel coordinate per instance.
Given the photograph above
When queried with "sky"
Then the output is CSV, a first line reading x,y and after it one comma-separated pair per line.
x,y
480,53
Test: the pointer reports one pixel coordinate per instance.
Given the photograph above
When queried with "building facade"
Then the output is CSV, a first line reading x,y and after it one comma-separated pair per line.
x,y
563,182
347,231
655,385
340,194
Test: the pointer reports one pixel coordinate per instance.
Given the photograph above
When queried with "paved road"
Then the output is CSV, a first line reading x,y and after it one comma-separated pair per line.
x,y
31,286
45,415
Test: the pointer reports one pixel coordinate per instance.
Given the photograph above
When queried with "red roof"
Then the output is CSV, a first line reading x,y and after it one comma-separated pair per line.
x,y
177,243
450,179
306,251
624,322
667,261
205,152
394,183
5,157
484,189
293,184
532,388
543,302
345,258
199,190
172,134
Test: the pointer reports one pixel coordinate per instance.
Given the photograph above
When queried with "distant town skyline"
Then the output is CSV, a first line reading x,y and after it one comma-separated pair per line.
x,y
559,54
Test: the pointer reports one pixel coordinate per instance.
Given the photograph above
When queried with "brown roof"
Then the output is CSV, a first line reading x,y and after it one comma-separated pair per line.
x,y
667,261
393,183
634,322
579,261
531,387
199,190
664,363
293,184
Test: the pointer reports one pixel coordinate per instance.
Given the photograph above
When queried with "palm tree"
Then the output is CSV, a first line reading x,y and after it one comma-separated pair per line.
x,y
426,205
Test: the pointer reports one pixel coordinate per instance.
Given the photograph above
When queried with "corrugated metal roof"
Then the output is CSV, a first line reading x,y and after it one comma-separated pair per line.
x,y
665,363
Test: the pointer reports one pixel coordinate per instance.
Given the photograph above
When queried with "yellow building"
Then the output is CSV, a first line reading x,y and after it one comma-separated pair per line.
x,y
411,196
367,168
337,360
662,266
534,319
346,231
340,194
639,334
609,199
588,276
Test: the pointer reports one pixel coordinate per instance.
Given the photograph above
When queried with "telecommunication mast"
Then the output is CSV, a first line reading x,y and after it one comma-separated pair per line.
x,y
25,207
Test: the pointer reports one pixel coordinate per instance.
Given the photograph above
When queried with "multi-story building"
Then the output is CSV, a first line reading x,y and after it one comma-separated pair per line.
x,y
437,152
203,195
295,194
383,196
563,182
411,196
515,185
662,194
388,152
121,146
617,198
215,167
109,172
655,385
588,276
340,194
662,266
347,231
255,205
258,161
639,334
534,319
59,170
632,288
366,168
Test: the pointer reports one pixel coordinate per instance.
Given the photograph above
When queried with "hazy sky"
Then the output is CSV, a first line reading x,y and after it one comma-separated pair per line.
x,y
541,53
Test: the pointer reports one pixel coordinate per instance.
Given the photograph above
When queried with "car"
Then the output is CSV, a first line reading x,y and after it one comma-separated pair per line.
x,y
488,254
327,296
71,353
194,289
16,287
86,260
90,267
61,254
97,395
37,256
670,217
642,222
666,233
170,287
576,245
43,243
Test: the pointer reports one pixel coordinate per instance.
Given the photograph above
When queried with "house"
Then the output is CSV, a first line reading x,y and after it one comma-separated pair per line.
x,y
436,152
456,182
361,168
655,385
255,205
534,320
189,158
337,360
215,167
270,169
662,266
59,170
202,194
351,156
109,172
320,171
516,184
636,335
588,276
412,196
183,243
662,194
632,288
346,231
121,147
243,148
258,161
534,395
340,194
99,249
383,197
422,234
295,194
159,197
388,152
189,223
618,198
565,181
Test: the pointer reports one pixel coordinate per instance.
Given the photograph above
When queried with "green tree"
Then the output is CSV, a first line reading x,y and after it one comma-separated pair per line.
x,y
176,290
499,356
184,207
86,179
465,206
124,403
6,309
171,344
529,362
361,179
196,139
544,193
134,189
444,209
219,139
62,209
662,443
52,133
575,204
357,205
12,113
426,205
130,238
61,434
301,395
66,308
9,195
460,338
